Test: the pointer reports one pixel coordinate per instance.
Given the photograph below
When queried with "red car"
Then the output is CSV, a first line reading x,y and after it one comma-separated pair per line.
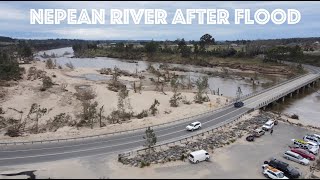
x,y
304,153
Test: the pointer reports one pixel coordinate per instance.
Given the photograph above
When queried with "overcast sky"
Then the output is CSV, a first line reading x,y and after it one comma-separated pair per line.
x,y
15,22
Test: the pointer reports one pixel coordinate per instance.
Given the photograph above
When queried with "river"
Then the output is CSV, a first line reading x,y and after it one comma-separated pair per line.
x,y
306,105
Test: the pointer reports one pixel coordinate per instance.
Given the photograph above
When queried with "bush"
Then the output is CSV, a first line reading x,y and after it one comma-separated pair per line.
x,y
10,71
13,131
70,65
50,64
59,121
46,83
294,116
143,114
85,94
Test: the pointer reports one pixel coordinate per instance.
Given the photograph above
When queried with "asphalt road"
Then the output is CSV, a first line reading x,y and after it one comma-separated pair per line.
x,y
33,153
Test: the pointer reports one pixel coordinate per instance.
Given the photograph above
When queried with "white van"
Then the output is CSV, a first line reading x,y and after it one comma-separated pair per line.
x,y
197,156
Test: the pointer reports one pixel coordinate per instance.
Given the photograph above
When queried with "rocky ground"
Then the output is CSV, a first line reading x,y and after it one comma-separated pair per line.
x,y
217,139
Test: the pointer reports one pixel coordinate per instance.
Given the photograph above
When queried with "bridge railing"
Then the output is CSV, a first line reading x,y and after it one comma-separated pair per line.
x,y
218,126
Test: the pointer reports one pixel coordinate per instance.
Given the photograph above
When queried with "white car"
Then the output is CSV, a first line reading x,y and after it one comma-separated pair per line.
x,y
314,146
317,136
272,173
268,125
295,157
311,138
194,126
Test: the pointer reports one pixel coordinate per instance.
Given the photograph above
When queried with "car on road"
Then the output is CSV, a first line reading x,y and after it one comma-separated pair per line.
x,y
194,126
198,156
268,125
304,153
295,157
272,173
258,132
305,145
311,138
288,171
238,104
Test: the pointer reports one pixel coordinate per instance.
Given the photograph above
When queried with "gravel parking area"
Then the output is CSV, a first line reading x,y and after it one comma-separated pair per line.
x,y
241,159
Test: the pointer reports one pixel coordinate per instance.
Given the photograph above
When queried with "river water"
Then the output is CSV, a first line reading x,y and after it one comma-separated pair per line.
x,y
306,105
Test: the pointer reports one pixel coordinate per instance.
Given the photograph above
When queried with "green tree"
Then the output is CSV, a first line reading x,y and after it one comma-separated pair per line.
x,y
151,139
206,40
151,48
202,85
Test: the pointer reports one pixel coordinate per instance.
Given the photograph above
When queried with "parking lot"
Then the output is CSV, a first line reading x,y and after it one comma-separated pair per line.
x,y
241,159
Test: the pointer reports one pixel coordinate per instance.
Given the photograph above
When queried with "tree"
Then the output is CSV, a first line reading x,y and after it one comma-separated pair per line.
x,y
24,50
174,100
202,85
101,116
206,40
153,107
151,139
151,48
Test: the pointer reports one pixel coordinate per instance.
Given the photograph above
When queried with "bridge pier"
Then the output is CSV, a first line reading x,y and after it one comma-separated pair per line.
x,y
283,99
290,95
298,91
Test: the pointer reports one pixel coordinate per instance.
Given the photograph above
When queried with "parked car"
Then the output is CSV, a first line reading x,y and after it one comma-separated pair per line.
x,y
295,157
250,138
314,146
268,125
288,171
305,145
272,173
258,132
311,138
198,156
317,136
194,126
304,153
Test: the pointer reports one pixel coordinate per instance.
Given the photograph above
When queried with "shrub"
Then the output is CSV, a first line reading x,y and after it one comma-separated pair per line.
x,y
10,71
294,116
143,114
85,94
46,83
50,64
59,121
70,65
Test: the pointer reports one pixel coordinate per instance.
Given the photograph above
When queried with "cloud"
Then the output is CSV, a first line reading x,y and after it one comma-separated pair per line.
x,y
14,21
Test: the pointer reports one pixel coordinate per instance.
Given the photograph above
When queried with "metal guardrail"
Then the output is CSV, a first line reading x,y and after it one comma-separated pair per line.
x,y
158,125
186,137
222,124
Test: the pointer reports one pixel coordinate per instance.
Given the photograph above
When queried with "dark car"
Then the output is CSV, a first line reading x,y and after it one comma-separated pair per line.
x,y
238,104
304,153
288,171
250,138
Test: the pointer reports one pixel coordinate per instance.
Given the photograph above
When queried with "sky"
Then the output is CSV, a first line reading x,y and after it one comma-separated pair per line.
x,y
15,21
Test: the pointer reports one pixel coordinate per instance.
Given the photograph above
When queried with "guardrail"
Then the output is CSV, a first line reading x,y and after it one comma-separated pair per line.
x,y
220,125
230,102
188,137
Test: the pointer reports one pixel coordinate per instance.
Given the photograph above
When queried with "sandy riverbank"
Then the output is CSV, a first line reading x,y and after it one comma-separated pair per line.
x,y
23,95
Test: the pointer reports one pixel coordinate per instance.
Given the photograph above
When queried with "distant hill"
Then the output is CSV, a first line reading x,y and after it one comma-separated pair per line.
x,y
6,39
